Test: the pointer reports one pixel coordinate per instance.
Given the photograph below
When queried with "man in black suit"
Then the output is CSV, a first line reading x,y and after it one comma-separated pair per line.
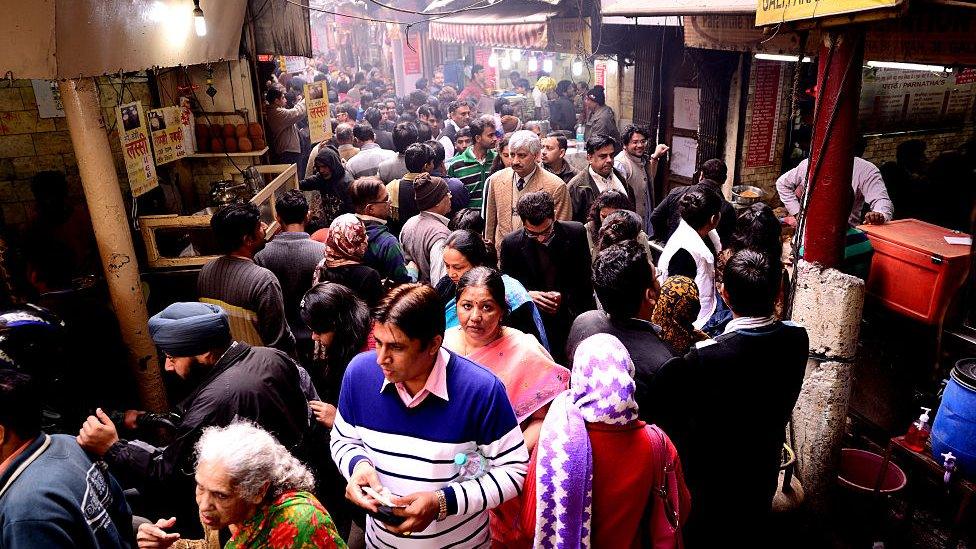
x,y
552,260
628,290
729,400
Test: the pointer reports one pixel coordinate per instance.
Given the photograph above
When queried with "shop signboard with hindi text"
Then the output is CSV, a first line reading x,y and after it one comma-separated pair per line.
x,y
901,100
317,110
936,35
139,166
764,122
171,129
772,12
570,35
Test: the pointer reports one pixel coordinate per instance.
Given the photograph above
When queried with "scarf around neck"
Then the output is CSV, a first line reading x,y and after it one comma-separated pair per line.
x,y
601,391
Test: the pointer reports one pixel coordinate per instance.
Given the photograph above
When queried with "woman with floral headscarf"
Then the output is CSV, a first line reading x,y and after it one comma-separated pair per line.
x,y
343,263
601,477
675,312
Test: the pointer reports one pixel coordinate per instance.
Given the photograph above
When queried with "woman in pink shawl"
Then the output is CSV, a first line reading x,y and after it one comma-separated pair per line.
x,y
532,380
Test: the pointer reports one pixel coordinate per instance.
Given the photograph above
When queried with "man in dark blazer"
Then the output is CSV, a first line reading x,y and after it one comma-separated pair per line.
x,y
552,260
598,177
728,403
628,290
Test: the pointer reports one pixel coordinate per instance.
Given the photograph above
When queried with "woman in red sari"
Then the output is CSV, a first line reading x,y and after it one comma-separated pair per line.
x,y
530,376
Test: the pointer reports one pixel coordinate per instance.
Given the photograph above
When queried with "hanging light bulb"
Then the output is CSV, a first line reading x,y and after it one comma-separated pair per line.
x,y
516,56
577,68
493,60
547,65
533,64
198,21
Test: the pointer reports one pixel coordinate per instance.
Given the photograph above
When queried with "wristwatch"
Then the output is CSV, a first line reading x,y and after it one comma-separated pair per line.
x,y
441,505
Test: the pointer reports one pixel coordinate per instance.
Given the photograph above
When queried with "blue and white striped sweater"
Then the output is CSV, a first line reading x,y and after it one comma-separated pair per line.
x,y
413,449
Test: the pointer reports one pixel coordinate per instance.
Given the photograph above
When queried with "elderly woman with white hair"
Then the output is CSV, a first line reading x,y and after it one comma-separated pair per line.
x,y
525,175
251,485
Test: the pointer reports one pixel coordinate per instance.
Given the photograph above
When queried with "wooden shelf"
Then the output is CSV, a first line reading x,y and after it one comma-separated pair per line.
x,y
223,155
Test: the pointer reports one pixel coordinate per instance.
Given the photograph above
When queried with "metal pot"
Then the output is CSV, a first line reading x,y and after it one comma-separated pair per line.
x,y
747,200
225,192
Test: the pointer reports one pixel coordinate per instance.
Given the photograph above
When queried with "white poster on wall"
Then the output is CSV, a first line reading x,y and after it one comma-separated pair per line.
x,y
684,152
47,98
686,108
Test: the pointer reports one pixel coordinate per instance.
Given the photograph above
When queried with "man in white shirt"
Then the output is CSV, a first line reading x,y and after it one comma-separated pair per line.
x,y
599,177
869,187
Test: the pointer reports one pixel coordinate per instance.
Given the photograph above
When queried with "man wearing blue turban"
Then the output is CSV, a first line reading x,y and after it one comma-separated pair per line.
x,y
232,379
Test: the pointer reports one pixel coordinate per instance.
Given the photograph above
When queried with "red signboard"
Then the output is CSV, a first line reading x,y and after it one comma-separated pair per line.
x,y
411,61
600,67
760,149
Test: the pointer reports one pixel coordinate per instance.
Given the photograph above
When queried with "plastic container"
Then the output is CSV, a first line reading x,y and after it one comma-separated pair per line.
x,y
914,271
580,139
918,432
860,471
470,465
954,429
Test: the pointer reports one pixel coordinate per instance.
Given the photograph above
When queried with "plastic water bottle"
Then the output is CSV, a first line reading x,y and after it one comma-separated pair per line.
x,y
580,136
470,464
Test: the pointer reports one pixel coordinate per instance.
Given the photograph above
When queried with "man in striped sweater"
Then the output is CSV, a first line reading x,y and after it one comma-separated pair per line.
x,y
406,411
472,166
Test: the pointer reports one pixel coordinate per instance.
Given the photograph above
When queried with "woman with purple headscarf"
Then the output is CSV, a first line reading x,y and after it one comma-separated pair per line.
x,y
599,471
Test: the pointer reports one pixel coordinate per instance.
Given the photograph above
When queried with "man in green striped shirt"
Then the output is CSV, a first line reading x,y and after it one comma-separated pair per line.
x,y
472,166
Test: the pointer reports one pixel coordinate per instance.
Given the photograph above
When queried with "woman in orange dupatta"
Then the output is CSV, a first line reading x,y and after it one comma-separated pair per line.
x,y
532,380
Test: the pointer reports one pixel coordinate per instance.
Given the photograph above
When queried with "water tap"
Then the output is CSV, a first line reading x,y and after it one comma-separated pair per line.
x,y
949,464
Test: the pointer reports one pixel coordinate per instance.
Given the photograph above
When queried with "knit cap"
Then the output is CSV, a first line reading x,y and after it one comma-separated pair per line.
x,y
429,191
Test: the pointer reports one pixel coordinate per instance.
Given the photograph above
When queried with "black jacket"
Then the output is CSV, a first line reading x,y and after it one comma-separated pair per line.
x,y
384,139
570,256
583,191
728,404
646,349
665,217
562,114
256,383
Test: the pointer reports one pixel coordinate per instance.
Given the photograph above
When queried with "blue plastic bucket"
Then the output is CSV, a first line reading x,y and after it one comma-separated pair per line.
x,y
954,429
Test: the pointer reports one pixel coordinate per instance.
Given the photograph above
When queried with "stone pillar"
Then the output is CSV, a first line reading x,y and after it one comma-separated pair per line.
x,y
829,305
110,222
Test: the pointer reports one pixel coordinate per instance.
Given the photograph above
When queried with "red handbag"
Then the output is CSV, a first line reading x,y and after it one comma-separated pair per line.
x,y
667,509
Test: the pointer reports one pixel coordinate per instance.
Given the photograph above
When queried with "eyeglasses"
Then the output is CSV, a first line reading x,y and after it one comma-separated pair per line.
x,y
638,142
384,201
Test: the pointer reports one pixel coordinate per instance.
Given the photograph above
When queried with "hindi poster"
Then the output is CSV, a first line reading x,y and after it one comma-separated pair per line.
x,y
169,139
136,151
317,110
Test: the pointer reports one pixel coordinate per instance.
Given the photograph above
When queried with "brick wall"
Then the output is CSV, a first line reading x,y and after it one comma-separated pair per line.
x,y
881,148
29,144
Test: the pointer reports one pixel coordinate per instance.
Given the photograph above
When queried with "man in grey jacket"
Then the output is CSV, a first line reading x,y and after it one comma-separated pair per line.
x,y
601,119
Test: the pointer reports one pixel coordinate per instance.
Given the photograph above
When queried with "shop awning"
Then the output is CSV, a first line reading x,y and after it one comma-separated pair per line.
x,y
635,8
516,26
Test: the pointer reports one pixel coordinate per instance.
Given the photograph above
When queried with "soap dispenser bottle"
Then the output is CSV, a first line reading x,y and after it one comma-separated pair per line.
x,y
918,432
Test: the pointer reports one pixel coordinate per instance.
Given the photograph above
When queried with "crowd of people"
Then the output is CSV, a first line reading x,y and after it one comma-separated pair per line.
x,y
442,350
